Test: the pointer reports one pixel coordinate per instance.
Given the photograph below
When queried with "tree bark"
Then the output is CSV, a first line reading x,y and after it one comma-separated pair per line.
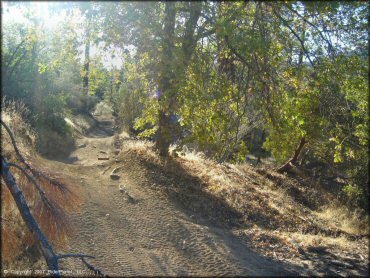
x,y
85,78
189,40
47,250
167,99
292,161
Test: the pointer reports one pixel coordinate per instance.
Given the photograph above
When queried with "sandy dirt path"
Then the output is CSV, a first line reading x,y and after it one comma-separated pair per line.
x,y
137,230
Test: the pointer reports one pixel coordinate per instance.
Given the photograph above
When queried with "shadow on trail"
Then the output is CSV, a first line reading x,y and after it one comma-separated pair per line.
x,y
186,193
103,128
65,153
331,263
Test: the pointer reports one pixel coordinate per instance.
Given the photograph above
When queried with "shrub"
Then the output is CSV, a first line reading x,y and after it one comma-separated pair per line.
x,y
50,114
127,105
78,102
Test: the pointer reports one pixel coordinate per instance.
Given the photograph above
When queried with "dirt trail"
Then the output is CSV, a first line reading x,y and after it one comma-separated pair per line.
x,y
139,231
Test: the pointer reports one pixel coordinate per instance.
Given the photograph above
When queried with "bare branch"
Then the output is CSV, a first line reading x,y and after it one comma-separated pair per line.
x,y
92,268
31,179
74,256
286,23
291,162
20,157
82,257
28,218
20,201
233,50
36,173
330,46
52,207
15,52
15,65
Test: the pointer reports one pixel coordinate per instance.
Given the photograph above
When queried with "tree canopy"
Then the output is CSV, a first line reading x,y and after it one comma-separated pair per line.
x,y
225,78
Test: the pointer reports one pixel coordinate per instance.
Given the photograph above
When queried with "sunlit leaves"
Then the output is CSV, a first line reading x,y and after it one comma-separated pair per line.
x,y
42,68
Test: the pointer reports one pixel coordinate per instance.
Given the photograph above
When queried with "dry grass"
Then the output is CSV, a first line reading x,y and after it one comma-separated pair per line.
x,y
279,213
50,211
13,229
307,241
342,218
142,148
13,114
281,201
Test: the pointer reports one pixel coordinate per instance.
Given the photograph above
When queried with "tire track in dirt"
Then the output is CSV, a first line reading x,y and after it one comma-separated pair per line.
x,y
168,231
160,237
150,236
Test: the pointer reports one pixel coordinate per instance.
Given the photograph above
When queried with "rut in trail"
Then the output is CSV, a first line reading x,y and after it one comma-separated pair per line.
x,y
148,234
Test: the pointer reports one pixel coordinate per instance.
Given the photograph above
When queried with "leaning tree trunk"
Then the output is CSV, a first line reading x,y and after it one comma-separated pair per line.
x,y
290,164
52,259
47,250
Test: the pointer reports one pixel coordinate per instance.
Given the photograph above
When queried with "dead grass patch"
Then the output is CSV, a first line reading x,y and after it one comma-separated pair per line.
x,y
266,198
342,218
283,217
307,241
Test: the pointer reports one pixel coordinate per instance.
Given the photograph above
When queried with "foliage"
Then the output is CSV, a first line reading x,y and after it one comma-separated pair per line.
x,y
129,93
41,68
208,74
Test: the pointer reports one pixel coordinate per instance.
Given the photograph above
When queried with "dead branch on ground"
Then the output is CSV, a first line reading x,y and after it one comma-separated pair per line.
x,y
52,259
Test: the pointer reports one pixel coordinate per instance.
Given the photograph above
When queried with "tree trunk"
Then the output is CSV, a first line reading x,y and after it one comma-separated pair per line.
x,y
167,99
164,134
189,41
165,83
85,78
291,162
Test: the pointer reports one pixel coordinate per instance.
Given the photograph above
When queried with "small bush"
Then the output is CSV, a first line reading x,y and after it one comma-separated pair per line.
x,y
80,103
53,144
127,105
49,113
